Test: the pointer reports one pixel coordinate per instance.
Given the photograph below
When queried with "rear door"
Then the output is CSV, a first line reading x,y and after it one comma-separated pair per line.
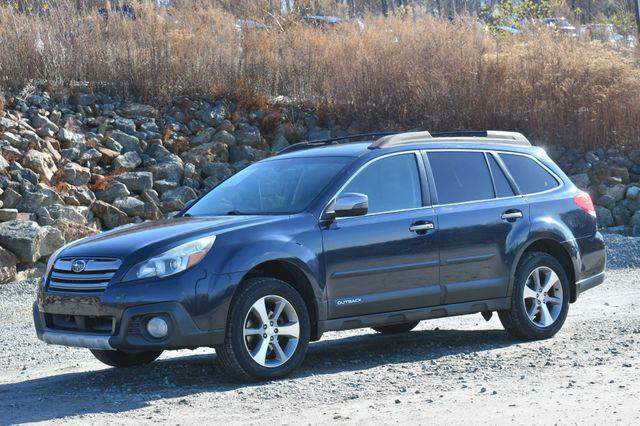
x,y
481,220
386,260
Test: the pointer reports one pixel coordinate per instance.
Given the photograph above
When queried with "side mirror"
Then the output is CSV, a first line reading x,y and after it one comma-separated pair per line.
x,y
350,204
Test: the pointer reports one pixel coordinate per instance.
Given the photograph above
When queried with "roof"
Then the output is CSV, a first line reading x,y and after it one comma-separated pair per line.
x,y
343,147
337,150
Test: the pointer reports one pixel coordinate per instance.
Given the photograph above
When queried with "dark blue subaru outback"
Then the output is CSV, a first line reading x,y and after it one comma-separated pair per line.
x,y
329,236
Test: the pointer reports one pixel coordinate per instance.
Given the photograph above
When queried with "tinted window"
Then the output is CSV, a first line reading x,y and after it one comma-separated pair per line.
x,y
283,186
392,183
503,189
460,176
528,174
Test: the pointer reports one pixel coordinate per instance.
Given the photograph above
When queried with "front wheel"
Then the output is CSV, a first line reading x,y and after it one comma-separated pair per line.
x,y
267,333
540,300
122,359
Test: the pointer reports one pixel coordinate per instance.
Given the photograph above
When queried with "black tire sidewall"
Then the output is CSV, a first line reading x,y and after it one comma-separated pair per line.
x,y
530,263
238,315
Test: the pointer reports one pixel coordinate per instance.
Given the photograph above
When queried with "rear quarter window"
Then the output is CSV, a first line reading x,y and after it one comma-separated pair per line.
x,y
529,175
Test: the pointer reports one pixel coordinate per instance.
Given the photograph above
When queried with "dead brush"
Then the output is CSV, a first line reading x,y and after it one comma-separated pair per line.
x,y
397,72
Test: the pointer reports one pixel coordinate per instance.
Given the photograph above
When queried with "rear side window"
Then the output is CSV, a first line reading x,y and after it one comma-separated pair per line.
x,y
530,176
460,176
391,183
503,189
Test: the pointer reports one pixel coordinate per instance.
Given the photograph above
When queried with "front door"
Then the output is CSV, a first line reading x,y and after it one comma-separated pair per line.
x,y
385,260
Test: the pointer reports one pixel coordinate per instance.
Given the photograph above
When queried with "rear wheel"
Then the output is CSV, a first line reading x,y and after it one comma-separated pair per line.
x,y
267,333
396,328
540,300
121,359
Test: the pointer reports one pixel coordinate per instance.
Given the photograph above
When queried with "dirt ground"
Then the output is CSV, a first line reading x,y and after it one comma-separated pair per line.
x,y
456,371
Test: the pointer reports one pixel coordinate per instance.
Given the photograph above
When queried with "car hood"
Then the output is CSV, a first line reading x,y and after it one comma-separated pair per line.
x,y
133,241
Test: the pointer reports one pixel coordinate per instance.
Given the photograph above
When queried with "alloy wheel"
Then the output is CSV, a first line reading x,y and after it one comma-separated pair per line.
x,y
271,331
542,296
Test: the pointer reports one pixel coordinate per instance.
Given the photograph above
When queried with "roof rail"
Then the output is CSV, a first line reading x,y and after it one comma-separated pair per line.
x,y
331,141
465,136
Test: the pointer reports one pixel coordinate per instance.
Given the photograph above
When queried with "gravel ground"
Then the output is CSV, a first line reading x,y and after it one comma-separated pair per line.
x,y
453,370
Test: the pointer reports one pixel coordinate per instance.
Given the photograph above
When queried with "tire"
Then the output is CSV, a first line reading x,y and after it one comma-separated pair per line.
x,y
245,357
396,328
528,319
121,359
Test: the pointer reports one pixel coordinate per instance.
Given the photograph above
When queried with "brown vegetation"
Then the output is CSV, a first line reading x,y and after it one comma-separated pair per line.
x,y
395,72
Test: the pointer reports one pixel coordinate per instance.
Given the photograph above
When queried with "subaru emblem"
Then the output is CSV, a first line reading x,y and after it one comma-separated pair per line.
x,y
78,265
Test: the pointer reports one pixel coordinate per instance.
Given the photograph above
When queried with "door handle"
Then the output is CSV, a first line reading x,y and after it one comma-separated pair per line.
x,y
421,227
511,215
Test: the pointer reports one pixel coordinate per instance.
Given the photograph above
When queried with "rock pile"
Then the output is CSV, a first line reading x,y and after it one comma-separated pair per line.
x,y
72,164
612,178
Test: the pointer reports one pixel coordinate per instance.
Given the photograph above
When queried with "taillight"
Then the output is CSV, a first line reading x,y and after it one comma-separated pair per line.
x,y
583,200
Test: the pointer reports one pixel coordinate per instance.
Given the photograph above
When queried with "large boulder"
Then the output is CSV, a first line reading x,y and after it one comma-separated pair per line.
x,y
72,231
110,216
136,181
29,241
135,110
181,193
248,134
8,214
41,196
114,190
128,142
11,199
75,174
605,218
8,263
134,207
127,161
40,122
126,125
41,163
207,153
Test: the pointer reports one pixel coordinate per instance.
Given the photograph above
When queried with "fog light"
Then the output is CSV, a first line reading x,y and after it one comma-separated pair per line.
x,y
157,327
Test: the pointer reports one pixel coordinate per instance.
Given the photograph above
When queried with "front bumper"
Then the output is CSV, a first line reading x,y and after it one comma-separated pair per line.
x,y
194,305
130,333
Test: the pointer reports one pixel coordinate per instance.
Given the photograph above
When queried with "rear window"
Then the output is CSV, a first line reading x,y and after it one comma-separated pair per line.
x,y
530,176
460,176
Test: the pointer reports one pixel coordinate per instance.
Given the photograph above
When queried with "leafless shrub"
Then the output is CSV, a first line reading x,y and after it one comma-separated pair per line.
x,y
395,72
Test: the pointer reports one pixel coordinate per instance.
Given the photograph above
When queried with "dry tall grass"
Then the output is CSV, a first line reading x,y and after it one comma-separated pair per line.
x,y
397,72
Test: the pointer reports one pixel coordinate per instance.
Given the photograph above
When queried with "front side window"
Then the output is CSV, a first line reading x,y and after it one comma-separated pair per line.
x,y
460,176
530,176
391,183
284,186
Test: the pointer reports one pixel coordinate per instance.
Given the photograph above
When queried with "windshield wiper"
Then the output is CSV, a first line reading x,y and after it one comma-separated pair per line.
x,y
234,213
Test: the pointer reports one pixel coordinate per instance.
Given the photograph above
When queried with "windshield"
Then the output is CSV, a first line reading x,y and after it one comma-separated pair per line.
x,y
284,186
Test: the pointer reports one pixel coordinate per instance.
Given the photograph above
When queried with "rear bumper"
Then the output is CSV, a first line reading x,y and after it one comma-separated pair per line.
x,y
589,283
590,262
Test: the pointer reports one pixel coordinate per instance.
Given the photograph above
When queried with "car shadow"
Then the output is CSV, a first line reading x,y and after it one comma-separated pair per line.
x,y
121,390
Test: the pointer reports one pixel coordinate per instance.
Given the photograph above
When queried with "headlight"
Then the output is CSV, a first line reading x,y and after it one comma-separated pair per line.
x,y
173,261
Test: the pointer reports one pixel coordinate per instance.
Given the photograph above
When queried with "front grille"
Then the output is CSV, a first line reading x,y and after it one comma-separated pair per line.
x,y
93,277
